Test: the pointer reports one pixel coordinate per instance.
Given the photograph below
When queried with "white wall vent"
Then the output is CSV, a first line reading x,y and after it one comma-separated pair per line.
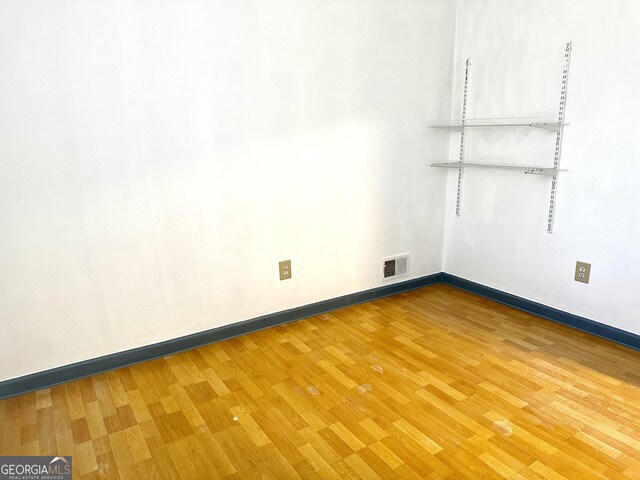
x,y
395,266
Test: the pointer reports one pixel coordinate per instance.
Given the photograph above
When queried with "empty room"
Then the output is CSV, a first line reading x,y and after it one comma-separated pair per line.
x,y
319,239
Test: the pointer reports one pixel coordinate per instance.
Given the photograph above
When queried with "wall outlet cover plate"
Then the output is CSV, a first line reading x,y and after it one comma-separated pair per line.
x,y
285,269
583,270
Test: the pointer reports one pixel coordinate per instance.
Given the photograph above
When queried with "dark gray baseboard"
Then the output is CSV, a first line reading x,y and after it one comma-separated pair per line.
x,y
54,376
581,323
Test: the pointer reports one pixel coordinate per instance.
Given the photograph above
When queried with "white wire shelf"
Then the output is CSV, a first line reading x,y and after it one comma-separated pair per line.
x,y
498,122
529,169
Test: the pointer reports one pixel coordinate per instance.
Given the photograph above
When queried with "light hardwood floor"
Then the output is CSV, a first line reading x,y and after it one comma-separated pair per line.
x,y
434,383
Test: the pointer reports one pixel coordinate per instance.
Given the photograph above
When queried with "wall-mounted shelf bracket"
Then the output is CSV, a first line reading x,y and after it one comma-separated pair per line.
x,y
533,122
498,122
529,169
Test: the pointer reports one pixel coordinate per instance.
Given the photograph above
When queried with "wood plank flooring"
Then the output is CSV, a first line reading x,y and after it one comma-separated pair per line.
x,y
435,383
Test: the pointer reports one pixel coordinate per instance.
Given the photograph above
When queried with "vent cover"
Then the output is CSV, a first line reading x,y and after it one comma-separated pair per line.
x,y
396,266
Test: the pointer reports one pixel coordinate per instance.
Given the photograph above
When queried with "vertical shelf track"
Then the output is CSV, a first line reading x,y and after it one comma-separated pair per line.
x,y
559,134
464,117
557,127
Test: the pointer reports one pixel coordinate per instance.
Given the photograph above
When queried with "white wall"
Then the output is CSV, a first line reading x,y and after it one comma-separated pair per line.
x,y
157,159
500,240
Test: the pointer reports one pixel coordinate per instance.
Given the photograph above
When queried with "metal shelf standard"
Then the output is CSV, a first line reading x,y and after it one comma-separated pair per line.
x,y
554,126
